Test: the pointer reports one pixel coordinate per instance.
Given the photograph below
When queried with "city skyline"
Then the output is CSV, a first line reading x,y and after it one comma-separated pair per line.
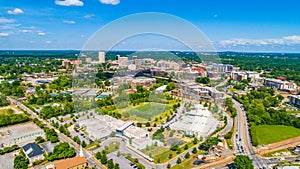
x,y
229,25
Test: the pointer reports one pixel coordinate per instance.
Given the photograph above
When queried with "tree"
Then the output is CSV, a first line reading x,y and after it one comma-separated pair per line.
x,y
170,155
174,146
61,151
39,139
195,141
76,139
194,151
205,104
117,166
3,100
110,164
139,124
103,159
148,124
178,160
98,155
107,83
187,155
204,80
83,144
169,165
186,147
243,162
21,161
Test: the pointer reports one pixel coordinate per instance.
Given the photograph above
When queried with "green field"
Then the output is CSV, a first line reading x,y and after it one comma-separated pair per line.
x,y
154,150
267,134
7,111
149,110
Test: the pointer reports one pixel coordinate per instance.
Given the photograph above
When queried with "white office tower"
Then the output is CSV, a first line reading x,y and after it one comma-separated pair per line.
x,y
101,56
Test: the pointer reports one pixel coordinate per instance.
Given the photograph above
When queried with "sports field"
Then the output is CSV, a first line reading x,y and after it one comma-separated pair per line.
x,y
267,134
148,110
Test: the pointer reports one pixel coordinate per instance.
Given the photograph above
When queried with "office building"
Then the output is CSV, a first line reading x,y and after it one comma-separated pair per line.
x,y
101,56
33,152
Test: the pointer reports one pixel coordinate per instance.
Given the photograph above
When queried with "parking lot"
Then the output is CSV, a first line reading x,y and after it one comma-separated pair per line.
x,y
122,161
7,160
81,136
48,146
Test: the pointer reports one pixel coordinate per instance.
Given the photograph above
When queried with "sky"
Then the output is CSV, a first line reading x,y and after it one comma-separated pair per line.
x,y
229,25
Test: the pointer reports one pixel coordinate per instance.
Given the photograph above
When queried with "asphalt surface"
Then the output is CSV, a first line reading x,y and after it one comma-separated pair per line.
x,y
90,160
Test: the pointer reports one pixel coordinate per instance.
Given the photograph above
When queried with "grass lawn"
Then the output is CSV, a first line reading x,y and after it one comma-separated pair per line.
x,y
7,111
148,110
177,167
229,143
164,156
267,134
113,146
93,146
154,150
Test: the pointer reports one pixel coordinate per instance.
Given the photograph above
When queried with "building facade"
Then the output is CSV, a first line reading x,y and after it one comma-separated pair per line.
x,y
295,100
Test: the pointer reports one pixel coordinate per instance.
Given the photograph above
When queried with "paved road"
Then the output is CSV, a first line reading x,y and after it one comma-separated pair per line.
x,y
243,133
91,161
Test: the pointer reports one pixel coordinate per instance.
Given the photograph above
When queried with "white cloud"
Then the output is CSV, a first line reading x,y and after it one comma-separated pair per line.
x,y
9,26
69,22
69,2
2,34
4,20
41,33
89,16
48,42
25,31
261,42
292,38
16,11
110,2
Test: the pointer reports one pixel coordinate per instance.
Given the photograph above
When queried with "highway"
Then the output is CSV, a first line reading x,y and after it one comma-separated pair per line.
x,y
90,160
243,135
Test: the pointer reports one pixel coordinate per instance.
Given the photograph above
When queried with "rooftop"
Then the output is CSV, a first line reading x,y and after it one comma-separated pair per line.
x,y
70,162
32,150
12,133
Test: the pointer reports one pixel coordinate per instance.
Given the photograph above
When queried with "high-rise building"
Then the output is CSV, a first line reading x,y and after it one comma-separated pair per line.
x,y
123,61
101,56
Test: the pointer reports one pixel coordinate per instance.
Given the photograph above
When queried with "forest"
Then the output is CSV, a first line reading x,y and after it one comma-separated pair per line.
x,y
273,65
261,106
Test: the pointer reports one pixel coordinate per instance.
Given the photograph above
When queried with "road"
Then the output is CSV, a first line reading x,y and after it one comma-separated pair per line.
x,y
90,160
243,135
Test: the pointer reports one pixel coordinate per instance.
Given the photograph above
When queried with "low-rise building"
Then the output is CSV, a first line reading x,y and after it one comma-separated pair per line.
x,y
295,100
33,152
134,82
135,132
195,91
281,85
21,133
77,162
198,122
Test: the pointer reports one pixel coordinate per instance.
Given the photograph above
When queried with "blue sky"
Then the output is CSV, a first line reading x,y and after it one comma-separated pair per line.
x,y
230,25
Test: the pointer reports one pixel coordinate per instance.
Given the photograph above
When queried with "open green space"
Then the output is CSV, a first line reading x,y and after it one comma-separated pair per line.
x,y
112,147
149,110
177,166
154,150
267,134
7,111
164,156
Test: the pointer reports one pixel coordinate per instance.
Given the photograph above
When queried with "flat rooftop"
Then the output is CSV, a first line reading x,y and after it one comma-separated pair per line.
x,y
11,134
